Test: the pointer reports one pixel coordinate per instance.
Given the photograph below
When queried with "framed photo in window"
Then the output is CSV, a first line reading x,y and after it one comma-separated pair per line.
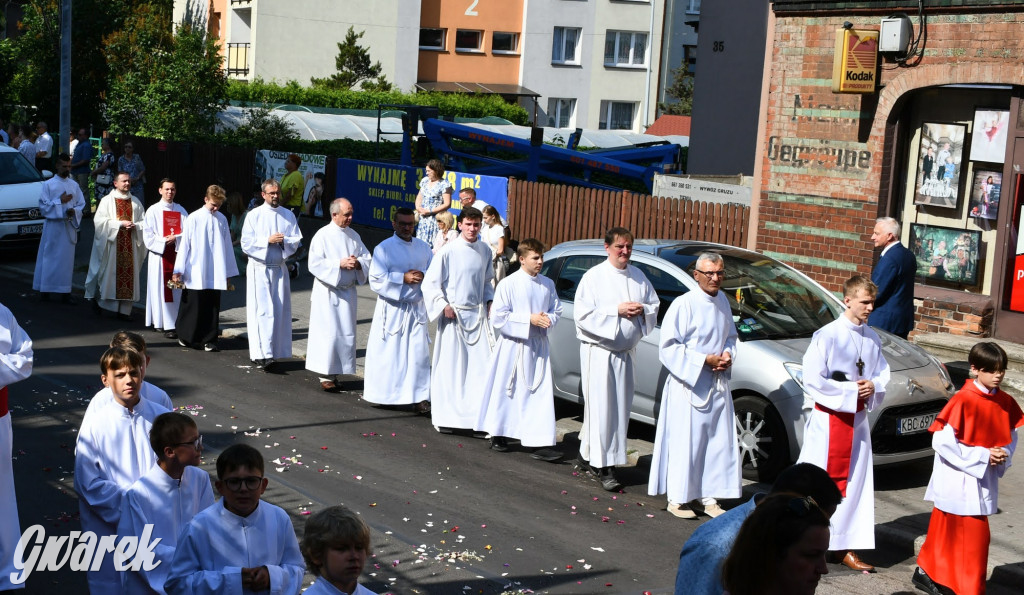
x,y
988,136
985,194
938,165
946,254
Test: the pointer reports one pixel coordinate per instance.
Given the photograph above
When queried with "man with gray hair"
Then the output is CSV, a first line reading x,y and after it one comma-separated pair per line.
x,y
696,457
894,276
338,261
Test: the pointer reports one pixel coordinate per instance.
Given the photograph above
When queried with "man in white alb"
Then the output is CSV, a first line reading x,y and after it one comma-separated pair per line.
x,y
270,235
338,261
61,203
457,292
696,457
615,307
161,231
398,350
845,374
15,366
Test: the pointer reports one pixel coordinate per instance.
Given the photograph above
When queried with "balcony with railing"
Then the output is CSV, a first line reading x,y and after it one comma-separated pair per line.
x,y
238,60
240,3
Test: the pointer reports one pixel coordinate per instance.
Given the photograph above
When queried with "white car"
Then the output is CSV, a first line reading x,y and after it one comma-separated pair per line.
x,y
776,310
20,185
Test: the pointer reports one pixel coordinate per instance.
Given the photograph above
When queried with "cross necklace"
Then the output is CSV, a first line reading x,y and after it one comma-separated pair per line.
x,y
860,353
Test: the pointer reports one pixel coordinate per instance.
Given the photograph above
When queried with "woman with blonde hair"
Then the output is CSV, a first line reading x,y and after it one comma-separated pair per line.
x,y
446,231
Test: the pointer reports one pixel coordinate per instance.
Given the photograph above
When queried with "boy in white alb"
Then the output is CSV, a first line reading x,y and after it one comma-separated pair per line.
x,y
113,452
166,497
845,375
240,543
147,391
335,544
517,395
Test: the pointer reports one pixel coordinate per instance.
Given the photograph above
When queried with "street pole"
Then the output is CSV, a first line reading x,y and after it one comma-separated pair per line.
x,y
64,134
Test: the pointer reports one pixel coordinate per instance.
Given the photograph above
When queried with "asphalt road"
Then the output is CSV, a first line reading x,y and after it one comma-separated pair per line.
x,y
447,514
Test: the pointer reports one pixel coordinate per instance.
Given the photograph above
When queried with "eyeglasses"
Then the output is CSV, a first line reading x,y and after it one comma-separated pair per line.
x,y
802,506
196,444
719,274
235,483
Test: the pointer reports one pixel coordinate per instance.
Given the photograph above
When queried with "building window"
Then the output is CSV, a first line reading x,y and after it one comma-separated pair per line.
x,y
504,43
561,112
468,40
565,46
693,7
616,115
625,48
432,39
690,58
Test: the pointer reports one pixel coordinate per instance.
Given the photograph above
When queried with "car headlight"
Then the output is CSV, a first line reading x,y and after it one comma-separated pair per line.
x,y
796,371
947,380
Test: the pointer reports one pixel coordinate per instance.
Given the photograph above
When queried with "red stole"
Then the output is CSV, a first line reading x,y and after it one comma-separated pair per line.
x,y
978,418
172,225
840,444
124,273
3,401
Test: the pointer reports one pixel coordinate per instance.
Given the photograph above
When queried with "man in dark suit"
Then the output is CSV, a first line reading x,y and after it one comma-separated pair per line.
x,y
894,276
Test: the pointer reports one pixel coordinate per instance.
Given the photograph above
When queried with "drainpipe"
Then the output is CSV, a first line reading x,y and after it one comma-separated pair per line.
x,y
650,67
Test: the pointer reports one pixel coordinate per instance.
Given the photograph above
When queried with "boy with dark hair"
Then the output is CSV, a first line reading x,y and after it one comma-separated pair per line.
x,y
113,452
335,546
517,393
166,497
258,532
974,437
148,391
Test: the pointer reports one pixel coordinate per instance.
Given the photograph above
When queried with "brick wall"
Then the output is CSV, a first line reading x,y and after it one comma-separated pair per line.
x,y
825,156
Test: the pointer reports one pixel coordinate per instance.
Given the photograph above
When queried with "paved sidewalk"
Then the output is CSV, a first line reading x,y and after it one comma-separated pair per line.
x,y
901,514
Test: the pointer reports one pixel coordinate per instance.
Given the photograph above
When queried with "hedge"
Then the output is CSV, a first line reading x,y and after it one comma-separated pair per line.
x,y
462,105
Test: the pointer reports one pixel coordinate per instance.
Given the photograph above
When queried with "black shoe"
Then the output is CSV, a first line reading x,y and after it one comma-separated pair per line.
x,y
170,335
445,430
499,444
68,299
548,455
261,364
584,466
608,480
923,582
480,435
211,348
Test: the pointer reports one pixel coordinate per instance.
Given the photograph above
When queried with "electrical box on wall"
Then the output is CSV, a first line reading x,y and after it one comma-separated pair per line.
x,y
894,35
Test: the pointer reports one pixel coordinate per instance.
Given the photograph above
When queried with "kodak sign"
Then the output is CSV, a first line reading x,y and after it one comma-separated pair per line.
x,y
855,65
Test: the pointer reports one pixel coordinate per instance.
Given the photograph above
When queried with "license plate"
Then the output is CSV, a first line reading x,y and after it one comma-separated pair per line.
x,y
27,229
916,424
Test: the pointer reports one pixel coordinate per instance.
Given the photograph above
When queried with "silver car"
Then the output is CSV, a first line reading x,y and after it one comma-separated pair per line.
x,y
776,310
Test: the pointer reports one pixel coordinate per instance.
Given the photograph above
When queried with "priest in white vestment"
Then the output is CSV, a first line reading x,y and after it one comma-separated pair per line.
x,y
117,251
457,291
61,203
615,307
338,261
696,458
15,365
165,498
204,263
844,375
112,452
160,232
270,235
397,368
518,401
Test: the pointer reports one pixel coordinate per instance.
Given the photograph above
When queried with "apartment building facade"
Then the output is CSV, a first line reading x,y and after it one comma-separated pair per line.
x,y
570,63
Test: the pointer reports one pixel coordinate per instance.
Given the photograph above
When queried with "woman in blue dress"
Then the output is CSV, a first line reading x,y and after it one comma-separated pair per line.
x,y
435,197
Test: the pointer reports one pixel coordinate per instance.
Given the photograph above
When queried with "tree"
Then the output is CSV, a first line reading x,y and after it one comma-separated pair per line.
x,y
163,83
353,64
681,89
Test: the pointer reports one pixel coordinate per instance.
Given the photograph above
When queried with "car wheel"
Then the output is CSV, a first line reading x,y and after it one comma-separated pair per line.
x,y
764,446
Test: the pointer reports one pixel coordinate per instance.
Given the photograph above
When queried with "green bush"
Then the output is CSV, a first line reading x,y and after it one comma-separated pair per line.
x,y
461,105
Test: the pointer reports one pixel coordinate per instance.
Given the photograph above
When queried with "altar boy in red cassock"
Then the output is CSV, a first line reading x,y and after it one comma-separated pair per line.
x,y
974,438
